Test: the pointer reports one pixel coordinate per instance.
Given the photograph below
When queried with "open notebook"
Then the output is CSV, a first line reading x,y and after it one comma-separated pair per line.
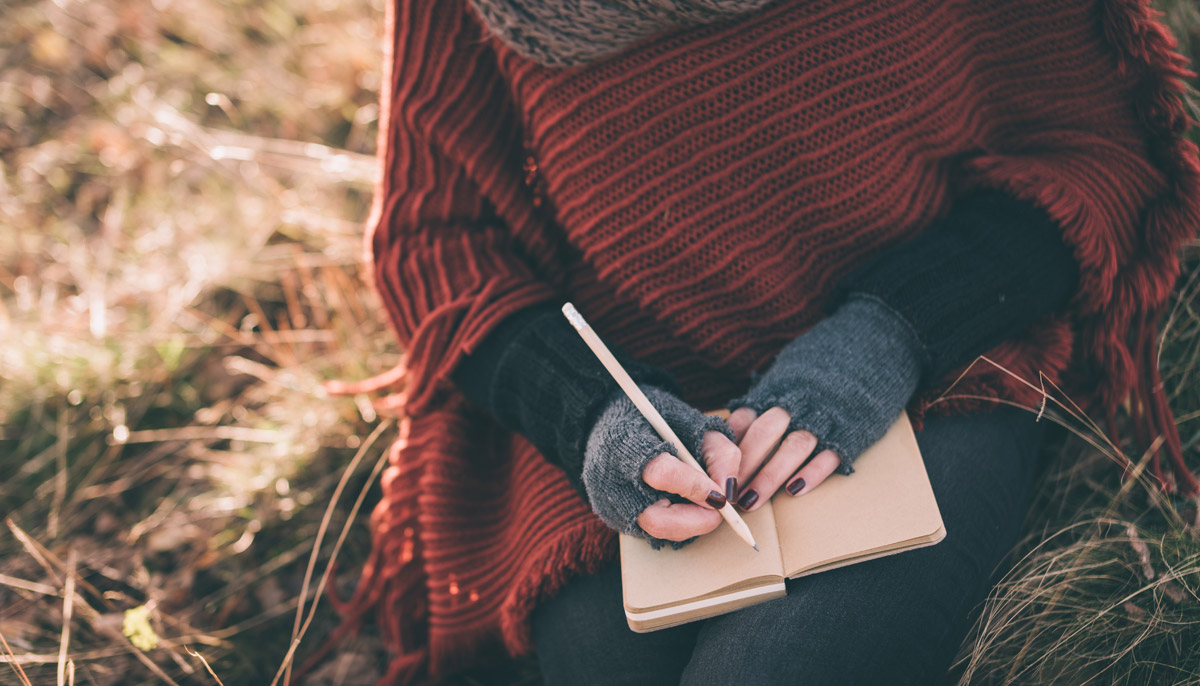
x,y
887,506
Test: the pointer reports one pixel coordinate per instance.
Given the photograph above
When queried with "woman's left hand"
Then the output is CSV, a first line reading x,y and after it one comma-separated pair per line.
x,y
757,438
839,385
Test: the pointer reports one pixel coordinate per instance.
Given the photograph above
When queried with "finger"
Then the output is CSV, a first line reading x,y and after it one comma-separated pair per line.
x,y
677,521
813,473
721,460
792,452
760,441
668,473
740,420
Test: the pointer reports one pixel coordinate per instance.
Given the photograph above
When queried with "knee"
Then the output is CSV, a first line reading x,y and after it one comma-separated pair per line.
x,y
896,620
824,653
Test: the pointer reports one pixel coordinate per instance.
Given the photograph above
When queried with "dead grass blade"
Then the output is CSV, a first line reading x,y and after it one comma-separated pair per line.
x,y
24,585
205,663
12,660
285,669
44,558
68,608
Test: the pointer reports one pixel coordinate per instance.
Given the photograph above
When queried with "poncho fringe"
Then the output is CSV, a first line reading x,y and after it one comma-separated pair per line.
x,y
428,626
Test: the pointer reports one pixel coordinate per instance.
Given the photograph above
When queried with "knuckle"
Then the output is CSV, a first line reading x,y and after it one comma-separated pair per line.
x,y
777,416
811,473
714,442
699,490
759,438
722,457
656,471
747,469
729,450
821,466
776,469
826,456
801,439
649,523
832,463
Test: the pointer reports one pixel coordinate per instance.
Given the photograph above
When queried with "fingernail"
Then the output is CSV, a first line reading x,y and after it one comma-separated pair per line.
x,y
795,487
748,499
715,500
731,488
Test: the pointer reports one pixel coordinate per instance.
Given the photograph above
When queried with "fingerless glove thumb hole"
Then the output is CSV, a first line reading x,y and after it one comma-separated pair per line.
x,y
623,442
617,449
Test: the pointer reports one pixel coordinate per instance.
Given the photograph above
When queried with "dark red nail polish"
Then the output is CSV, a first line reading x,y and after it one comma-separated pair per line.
x,y
795,486
715,499
731,489
748,499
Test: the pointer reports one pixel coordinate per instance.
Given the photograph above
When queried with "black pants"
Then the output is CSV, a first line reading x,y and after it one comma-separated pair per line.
x,y
894,620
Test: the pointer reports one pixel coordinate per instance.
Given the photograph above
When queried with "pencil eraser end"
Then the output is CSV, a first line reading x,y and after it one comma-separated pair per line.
x,y
573,316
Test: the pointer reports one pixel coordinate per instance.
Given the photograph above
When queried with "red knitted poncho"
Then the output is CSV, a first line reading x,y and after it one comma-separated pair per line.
x,y
696,197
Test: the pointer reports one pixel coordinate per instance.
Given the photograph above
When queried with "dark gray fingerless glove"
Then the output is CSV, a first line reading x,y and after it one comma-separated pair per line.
x,y
623,441
846,379
538,377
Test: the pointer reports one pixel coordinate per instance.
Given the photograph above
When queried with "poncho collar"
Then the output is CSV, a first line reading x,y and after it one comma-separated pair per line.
x,y
566,33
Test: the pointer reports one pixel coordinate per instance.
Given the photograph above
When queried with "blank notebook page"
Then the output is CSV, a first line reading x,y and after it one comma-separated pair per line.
x,y
885,503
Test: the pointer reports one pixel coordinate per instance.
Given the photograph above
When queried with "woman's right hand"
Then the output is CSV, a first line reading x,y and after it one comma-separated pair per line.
x,y
637,484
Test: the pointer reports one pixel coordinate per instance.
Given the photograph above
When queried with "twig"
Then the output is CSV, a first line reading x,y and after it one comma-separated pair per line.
x,y
89,613
249,623
337,546
12,660
68,610
204,433
218,144
205,663
48,658
60,479
48,560
1074,410
298,630
24,585
144,659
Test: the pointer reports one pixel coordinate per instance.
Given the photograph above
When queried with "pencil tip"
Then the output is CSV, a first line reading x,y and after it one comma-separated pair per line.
x,y
756,548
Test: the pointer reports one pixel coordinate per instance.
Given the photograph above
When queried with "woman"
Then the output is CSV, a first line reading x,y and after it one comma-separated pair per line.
x,y
823,211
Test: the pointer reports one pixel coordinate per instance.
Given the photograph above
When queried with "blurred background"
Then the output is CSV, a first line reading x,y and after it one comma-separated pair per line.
x,y
182,192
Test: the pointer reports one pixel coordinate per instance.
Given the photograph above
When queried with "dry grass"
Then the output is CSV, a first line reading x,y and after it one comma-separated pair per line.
x,y
182,187
181,197
1104,587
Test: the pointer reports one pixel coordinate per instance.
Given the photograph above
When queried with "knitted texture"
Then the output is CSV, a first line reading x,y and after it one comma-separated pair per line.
x,y
620,445
696,197
845,380
562,33
981,274
538,377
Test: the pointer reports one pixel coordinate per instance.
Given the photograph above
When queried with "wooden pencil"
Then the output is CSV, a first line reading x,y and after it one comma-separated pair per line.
x,y
647,409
